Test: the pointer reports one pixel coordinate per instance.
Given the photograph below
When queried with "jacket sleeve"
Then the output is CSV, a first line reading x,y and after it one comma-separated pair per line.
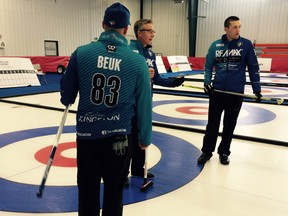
x,y
157,79
69,82
209,64
144,106
253,68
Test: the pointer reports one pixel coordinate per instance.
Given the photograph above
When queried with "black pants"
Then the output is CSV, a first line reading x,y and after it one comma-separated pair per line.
x,y
231,105
138,155
96,159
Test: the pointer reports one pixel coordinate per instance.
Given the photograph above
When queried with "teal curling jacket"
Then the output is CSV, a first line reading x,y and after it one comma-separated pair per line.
x,y
230,59
113,86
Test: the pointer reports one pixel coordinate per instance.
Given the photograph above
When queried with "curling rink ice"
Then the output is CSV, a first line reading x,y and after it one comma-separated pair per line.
x,y
255,182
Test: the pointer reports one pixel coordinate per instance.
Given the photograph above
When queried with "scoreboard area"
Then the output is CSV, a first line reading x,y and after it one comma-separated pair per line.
x,y
17,72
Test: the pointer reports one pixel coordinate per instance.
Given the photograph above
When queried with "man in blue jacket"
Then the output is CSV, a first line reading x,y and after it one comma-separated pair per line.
x,y
229,56
113,87
144,32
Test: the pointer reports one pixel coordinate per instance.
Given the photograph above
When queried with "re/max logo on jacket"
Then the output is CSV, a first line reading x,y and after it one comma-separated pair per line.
x,y
226,53
150,62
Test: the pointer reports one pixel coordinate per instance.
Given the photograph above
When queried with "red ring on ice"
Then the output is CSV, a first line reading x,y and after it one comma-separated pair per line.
x,y
190,110
59,160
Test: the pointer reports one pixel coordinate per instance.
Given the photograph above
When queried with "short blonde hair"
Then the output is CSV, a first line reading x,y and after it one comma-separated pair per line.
x,y
139,25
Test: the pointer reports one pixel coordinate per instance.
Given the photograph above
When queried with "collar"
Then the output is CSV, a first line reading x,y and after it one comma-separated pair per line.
x,y
140,44
113,36
225,40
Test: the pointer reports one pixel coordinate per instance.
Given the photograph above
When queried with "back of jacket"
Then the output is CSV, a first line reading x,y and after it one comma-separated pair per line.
x,y
230,59
113,84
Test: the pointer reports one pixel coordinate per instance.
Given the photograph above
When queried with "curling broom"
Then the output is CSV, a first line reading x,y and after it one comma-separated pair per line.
x,y
278,100
48,166
147,183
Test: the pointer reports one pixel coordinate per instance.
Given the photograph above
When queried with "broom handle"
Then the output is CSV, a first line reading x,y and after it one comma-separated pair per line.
x,y
278,100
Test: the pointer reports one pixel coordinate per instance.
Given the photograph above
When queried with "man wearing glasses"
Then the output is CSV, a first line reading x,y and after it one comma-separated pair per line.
x,y
144,32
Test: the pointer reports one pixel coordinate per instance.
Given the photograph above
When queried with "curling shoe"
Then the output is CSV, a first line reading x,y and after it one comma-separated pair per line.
x,y
204,157
150,175
224,159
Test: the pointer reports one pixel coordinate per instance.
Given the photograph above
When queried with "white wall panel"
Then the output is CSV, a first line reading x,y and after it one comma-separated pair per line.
x,y
273,21
25,24
171,25
265,21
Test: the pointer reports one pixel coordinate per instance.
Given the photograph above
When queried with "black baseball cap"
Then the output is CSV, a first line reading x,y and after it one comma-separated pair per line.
x,y
117,16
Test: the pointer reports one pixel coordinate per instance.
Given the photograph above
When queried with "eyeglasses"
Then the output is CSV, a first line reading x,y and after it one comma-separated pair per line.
x,y
148,30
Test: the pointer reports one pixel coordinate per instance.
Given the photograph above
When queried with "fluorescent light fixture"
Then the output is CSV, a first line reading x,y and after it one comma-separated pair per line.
x,y
178,1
